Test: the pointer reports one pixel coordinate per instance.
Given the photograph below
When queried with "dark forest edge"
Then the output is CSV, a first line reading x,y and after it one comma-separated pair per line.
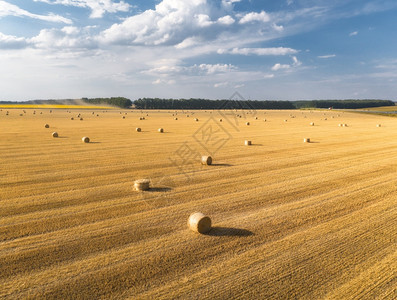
x,y
197,103
157,103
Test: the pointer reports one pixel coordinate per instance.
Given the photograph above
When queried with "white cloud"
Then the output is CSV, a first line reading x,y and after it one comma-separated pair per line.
x,y
68,37
98,7
202,69
253,16
278,28
12,42
221,84
226,20
259,51
278,66
353,33
268,76
203,20
327,56
162,81
295,63
7,9
170,22
188,42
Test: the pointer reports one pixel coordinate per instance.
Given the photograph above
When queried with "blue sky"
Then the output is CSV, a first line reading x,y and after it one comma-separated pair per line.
x,y
281,50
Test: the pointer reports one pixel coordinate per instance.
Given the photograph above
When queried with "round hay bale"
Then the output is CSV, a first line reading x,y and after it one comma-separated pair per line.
x,y
378,125
256,118
138,129
248,143
196,119
285,120
206,160
72,118
248,123
344,125
264,120
312,124
198,222
220,120
123,117
81,119
306,140
47,126
55,134
176,119
340,125
161,130
85,139
142,184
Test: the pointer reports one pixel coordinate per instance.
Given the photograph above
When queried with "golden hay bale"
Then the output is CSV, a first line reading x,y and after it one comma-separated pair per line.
x,y
264,120
306,140
312,124
206,160
142,184
123,117
198,222
81,119
72,118
256,118
340,125
161,130
248,123
138,129
196,119
285,120
47,126
344,125
55,134
176,119
85,139
378,125
220,120
248,143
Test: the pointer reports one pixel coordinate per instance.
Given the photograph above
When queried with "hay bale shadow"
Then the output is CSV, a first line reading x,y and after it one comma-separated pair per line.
x,y
221,165
229,231
159,189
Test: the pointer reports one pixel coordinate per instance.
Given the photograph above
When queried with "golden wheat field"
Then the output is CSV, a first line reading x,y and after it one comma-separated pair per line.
x,y
290,219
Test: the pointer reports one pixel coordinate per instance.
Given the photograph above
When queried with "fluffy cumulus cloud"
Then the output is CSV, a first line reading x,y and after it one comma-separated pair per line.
x,y
8,9
68,37
174,21
255,17
12,42
171,22
98,7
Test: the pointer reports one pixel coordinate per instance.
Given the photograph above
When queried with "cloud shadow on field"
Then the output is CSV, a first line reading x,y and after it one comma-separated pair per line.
x,y
229,231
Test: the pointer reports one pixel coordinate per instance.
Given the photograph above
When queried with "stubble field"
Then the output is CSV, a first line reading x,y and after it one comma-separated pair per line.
x,y
290,219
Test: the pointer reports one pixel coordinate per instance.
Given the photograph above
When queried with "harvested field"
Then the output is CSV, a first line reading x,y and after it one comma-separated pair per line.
x,y
289,220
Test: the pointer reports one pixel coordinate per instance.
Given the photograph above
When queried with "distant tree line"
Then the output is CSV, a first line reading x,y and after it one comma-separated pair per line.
x,y
114,101
342,104
195,103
